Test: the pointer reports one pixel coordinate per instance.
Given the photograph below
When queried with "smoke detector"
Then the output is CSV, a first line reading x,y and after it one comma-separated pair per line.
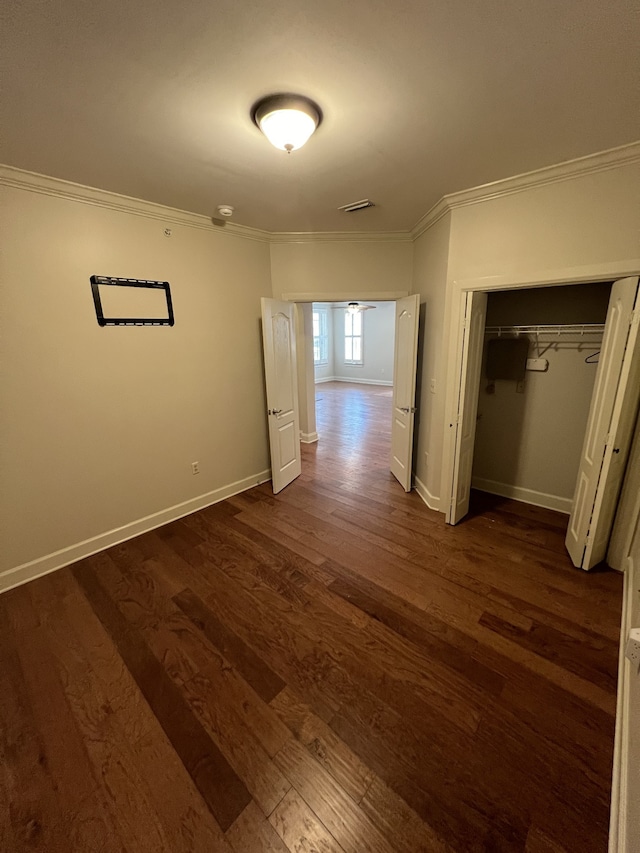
x,y
225,210
357,205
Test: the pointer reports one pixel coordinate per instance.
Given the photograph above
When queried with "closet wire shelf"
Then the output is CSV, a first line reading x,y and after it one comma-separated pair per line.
x,y
554,329
574,336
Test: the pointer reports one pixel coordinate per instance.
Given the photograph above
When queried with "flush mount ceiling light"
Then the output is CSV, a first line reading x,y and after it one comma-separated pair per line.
x,y
287,120
225,209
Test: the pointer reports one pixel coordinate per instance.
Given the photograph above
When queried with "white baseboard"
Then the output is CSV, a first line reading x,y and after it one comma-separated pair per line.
x,y
308,437
431,501
355,381
528,496
387,382
51,562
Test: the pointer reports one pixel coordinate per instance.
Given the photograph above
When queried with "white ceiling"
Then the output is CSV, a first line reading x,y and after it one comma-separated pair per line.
x,y
420,98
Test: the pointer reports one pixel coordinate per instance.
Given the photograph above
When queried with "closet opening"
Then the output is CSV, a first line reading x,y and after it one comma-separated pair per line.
x,y
539,363
527,448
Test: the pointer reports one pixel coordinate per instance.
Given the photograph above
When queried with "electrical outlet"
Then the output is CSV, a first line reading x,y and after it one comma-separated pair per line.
x,y
195,467
633,647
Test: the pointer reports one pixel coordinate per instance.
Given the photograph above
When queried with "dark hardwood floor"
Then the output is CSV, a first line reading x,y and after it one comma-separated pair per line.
x,y
330,670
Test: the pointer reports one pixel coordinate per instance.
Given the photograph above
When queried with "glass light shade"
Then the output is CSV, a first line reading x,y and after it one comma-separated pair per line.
x,y
287,121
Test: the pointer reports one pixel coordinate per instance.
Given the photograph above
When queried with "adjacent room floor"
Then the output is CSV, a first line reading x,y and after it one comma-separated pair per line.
x,y
332,669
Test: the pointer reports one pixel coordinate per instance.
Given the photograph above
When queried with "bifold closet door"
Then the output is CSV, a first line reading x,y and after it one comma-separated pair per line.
x,y
464,420
609,429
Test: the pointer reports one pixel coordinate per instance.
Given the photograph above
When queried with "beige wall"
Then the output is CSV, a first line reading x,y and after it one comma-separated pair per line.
x,y
430,266
354,269
531,442
588,220
100,425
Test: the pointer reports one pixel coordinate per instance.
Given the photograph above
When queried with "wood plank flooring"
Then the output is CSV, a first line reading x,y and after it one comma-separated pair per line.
x,y
328,670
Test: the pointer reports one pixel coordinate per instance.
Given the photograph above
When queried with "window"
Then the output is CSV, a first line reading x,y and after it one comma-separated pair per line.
x,y
320,337
353,337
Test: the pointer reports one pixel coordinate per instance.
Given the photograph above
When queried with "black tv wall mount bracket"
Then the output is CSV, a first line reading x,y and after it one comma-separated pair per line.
x,y
98,281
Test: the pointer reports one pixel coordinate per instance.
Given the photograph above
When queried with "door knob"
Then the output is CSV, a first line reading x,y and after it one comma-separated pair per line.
x,y
408,409
275,411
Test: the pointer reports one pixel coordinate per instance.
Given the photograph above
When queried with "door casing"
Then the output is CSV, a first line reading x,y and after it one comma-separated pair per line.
x,y
348,296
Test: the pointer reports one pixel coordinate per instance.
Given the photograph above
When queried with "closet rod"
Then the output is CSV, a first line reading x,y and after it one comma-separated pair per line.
x,y
558,328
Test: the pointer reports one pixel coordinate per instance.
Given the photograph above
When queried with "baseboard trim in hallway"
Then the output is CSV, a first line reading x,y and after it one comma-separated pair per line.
x,y
527,496
65,556
431,501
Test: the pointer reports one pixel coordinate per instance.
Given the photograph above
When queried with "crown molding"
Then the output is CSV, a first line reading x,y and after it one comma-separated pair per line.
x,y
602,161
340,237
34,182
435,214
45,185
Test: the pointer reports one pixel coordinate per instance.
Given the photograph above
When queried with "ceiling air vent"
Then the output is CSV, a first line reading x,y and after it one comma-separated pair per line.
x,y
357,205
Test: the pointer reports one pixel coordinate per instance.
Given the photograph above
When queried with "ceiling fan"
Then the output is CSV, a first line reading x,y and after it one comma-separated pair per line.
x,y
354,307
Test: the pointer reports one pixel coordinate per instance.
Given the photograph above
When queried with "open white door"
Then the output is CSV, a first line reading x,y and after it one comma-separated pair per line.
x,y
625,791
404,388
464,421
279,340
628,509
609,429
